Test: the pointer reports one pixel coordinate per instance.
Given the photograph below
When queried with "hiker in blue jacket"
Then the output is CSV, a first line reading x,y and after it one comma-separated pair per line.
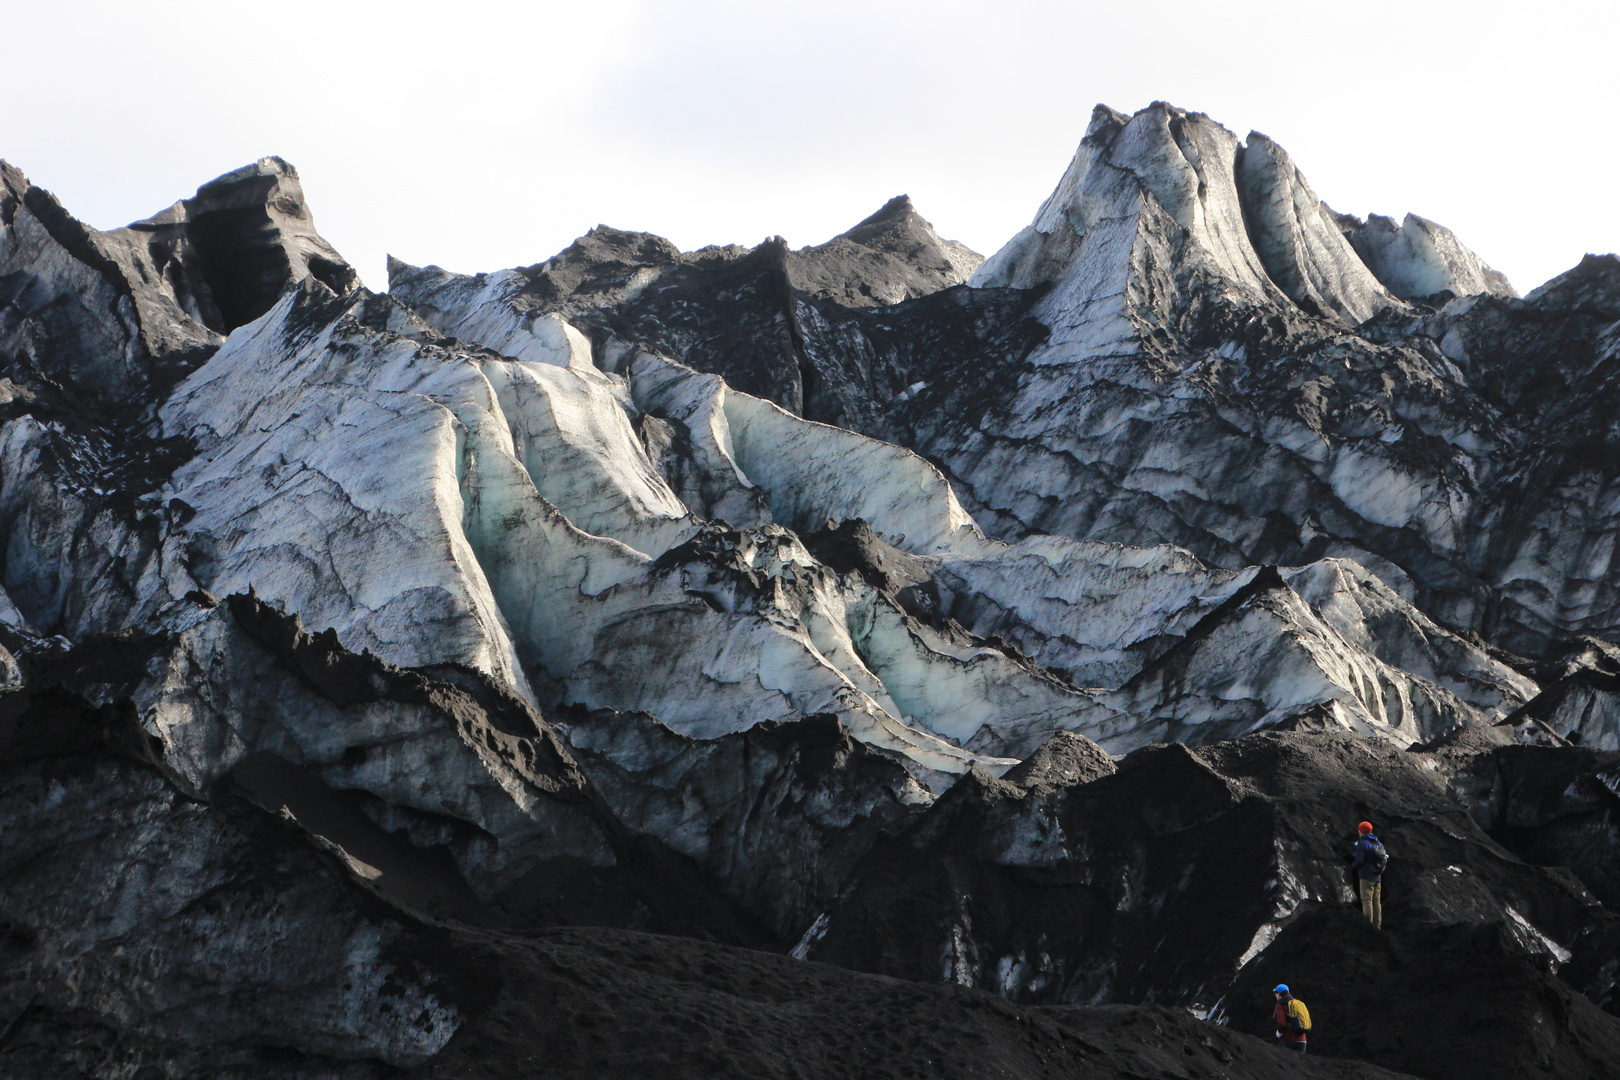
x,y
1371,858
1293,1020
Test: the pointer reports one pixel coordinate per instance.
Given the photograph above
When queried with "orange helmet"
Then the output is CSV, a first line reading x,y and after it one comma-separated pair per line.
x,y
1365,827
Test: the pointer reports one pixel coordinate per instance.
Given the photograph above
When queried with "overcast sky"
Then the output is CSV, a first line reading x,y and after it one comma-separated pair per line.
x,y
478,134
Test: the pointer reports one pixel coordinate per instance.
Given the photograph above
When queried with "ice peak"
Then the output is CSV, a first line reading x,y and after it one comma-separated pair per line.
x,y
1239,213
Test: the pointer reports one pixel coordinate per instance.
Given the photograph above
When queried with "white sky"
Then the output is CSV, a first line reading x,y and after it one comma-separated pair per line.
x,y
480,134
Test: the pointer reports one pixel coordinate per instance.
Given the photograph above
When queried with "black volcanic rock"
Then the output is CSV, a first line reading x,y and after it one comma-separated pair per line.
x,y
129,906
788,810
234,247
1064,760
592,1004
1555,806
174,282
893,255
87,320
1374,996
336,972
852,547
1086,889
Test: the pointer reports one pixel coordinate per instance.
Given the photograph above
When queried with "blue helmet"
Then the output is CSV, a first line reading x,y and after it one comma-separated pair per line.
x,y
1282,988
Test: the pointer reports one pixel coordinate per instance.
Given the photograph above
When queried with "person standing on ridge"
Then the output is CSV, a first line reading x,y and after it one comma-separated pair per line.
x,y
1293,1019
1371,858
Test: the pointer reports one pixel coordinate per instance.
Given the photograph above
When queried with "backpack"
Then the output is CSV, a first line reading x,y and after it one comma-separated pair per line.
x,y
1376,857
1299,1017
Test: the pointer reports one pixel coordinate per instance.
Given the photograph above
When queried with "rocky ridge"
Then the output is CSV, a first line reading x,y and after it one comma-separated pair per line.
x,y
1002,624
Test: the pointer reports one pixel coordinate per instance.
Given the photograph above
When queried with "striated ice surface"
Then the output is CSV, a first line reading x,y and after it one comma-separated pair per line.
x,y
446,476
1420,258
1302,248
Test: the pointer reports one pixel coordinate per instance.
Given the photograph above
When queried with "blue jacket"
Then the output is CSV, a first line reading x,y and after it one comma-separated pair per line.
x,y
1361,866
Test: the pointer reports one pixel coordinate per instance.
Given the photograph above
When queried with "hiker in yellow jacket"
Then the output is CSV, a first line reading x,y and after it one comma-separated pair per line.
x,y
1293,1019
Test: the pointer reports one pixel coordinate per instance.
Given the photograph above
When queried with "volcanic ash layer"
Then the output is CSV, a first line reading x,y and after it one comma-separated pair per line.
x,y
864,659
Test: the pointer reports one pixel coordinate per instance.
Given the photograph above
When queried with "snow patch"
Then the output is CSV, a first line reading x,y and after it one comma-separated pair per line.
x,y
1263,937
815,933
1558,951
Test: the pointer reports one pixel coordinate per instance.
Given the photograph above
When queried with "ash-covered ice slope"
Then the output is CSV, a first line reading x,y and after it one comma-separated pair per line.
x,y
1187,347
1129,645
794,599
1177,397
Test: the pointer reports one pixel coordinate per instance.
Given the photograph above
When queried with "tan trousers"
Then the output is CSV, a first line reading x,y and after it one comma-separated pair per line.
x,y
1372,902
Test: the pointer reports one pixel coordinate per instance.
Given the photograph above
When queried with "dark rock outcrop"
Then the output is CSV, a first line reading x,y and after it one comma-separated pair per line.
x,y
1518,1021
112,320
1085,887
892,256
239,243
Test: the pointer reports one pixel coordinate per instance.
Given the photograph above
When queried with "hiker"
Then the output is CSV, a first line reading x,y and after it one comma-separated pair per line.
x,y
1371,858
1293,1019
